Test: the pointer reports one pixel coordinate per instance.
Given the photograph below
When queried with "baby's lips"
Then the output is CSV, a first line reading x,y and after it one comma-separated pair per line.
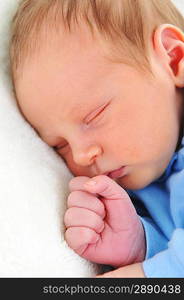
x,y
117,173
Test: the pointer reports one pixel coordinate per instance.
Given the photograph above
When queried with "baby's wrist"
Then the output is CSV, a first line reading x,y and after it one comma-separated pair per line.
x,y
141,245
138,249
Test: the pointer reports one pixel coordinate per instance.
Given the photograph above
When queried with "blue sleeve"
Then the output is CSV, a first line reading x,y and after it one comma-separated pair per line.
x,y
169,262
155,239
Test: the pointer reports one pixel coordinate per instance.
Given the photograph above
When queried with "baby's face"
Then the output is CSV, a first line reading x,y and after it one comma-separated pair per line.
x,y
98,115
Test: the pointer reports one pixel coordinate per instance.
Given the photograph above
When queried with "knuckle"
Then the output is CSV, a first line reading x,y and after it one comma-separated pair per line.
x,y
72,182
73,197
76,181
86,234
99,208
101,177
68,234
98,224
68,217
82,234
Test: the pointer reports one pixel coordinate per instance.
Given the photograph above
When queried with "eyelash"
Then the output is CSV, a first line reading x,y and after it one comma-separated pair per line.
x,y
96,114
58,147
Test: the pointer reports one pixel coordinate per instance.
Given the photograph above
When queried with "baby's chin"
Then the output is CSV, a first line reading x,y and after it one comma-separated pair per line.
x,y
133,182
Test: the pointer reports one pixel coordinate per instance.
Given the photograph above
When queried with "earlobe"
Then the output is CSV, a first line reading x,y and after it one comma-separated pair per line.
x,y
169,44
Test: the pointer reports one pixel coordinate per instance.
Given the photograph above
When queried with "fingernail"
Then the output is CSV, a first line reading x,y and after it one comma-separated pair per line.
x,y
91,183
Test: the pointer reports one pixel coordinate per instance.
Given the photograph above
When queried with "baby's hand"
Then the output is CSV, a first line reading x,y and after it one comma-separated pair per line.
x,y
102,224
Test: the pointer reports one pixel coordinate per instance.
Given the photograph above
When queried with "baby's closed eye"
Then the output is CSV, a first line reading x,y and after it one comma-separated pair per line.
x,y
61,146
96,113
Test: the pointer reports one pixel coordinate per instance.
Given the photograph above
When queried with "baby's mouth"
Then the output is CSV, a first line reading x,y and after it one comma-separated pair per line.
x,y
116,173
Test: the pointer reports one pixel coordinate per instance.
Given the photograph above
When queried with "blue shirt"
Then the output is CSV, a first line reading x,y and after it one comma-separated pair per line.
x,y
163,220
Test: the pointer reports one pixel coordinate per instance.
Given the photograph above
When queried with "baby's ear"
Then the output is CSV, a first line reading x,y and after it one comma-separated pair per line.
x,y
169,45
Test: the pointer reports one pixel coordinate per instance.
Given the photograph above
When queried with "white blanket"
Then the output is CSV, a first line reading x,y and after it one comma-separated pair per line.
x,y
33,189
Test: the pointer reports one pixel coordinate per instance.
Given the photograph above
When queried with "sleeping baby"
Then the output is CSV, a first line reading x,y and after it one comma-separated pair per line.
x,y
101,82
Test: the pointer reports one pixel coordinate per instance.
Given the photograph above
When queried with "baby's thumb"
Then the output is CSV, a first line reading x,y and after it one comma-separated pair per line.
x,y
116,200
105,187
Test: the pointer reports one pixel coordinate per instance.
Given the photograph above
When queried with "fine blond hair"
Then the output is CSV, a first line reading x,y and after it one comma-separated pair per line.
x,y
128,24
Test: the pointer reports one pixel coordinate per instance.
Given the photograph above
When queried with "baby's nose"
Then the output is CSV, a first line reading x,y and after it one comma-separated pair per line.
x,y
86,157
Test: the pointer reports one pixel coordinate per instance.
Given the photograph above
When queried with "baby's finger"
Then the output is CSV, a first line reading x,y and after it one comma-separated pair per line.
x,y
105,187
116,201
78,238
77,183
86,200
81,217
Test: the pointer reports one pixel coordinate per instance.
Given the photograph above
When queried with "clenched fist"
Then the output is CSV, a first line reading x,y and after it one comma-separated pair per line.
x,y
102,223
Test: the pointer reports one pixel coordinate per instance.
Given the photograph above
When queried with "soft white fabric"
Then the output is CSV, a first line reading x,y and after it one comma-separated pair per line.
x,y
179,4
33,189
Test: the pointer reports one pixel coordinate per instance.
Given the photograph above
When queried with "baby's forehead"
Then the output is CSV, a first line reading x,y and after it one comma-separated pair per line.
x,y
74,43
